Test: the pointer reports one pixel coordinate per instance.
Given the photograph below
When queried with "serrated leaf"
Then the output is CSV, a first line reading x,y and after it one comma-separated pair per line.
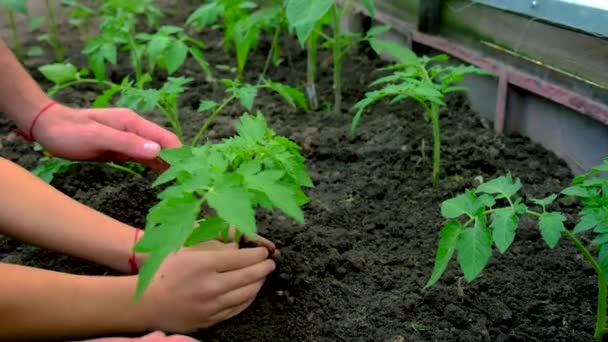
x,y
474,250
292,95
233,205
551,227
398,51
59,73
577,191
168,225
252,128
487,200
175,56
280,195
545,201
448,238
504,225
48,170
208,230
465,203
207,105
504,186
590,219
603,258
246,95
600,240
103,100
304,14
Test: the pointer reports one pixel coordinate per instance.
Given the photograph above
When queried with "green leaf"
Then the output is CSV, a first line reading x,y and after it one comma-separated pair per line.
x,y
207,105
590,219
545,201
246,95
504,186
377,30
600,240
487,200
474,250
448,239
103,100
551,227
208,230
35,51
291,95
268,182
504,224
369,6
59,73
304,14
48,170
398,51
252,128
35,23
168,225
233,205
577,191
19,6
175,56
466,203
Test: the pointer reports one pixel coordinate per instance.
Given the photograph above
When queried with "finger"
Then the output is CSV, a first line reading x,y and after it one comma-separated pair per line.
x,y
126,120
125,143
232,311
244,277
240,295
230,260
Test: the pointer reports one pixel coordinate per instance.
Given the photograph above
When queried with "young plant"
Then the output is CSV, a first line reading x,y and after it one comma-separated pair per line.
x,y
80,17
246,94
308,18
12,8
242,23
491,213
53,37
417,78
229,181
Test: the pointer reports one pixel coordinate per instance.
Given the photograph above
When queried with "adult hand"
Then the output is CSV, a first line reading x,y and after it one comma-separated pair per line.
x,y
156,336
113,134
201,286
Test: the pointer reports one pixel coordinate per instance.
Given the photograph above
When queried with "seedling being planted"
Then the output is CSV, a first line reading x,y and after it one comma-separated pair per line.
x,y
490,215
417,78
231,179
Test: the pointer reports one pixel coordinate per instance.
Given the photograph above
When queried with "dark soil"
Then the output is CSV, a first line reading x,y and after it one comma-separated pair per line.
x,y
355,270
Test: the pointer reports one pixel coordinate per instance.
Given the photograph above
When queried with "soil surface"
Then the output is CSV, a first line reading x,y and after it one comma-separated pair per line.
x,y
355,270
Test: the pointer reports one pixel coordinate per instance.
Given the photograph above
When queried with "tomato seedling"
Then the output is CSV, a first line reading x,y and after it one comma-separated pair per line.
x,y
255,168
490,214
423,79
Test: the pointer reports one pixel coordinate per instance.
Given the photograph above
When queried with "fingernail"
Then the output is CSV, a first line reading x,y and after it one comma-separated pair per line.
x,y
151,147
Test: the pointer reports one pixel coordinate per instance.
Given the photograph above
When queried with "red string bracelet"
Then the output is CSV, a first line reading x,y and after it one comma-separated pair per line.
x,y
30,137
132,259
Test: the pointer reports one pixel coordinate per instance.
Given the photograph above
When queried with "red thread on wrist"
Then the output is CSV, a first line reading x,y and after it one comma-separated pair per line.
x,y
133,259
29,137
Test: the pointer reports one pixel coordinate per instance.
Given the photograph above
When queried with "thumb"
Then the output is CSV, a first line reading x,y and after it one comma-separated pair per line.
x,y
126,143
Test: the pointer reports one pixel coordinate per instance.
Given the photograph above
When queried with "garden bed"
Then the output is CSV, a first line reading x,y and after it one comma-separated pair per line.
x,y
355,270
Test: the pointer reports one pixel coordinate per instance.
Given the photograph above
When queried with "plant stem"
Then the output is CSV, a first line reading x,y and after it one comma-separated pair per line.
x,y
600,326
273,47
15,35
203,129
59,88
311,71
337,52
54,32
135,58
172,116
124,169
436,144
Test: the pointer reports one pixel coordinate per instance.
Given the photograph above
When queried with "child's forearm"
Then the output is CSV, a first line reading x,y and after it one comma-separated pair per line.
x,y
33,211
44,305
20,96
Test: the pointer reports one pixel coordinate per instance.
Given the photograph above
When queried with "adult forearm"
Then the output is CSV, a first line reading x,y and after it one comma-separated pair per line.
x,y
39,304
33,211
20,96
